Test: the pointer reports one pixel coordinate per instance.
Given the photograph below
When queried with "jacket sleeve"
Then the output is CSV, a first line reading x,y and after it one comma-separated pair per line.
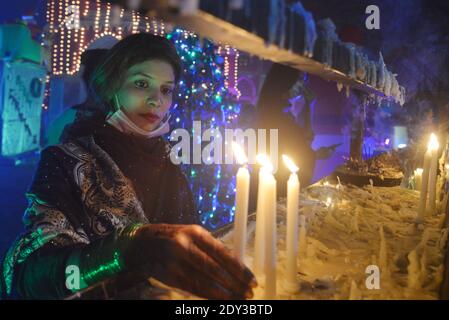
x,y
50,228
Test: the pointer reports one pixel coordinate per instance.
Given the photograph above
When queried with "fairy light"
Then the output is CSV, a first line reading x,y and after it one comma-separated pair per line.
x,y
155,28
48,15
66,51
120,33
226,67
134,22
75,60
76,52
69,43
61,52
106,20
97,18
162,28
46,92
147,25
52,16
86,8
59,20
236,73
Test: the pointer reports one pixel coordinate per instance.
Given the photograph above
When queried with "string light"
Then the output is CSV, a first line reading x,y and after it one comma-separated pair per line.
x,y
155,28
236,73
86,8
162,28
147,25
202,95
97,18
46,92
106,20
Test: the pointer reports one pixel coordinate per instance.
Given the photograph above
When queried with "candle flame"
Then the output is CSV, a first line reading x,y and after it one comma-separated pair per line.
x,y
433,143
265,162
419,171
239,153
328,201
290,164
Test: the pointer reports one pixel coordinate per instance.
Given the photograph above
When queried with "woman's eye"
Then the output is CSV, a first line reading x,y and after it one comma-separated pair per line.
x,y
141,84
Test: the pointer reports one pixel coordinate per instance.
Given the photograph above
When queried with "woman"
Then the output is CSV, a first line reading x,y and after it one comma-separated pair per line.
x,y
109,203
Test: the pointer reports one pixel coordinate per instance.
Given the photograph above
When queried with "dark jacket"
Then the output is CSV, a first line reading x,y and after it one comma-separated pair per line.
x,y
99,180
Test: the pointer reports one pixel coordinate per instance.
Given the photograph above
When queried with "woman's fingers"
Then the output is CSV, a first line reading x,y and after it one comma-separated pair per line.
x,y
205,264
190,258
215,249
191,280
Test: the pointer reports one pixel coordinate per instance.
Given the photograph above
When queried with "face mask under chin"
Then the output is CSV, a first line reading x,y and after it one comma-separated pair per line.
x,y
123,123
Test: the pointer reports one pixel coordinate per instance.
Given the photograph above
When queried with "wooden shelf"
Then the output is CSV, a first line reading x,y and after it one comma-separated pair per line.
x,y
220,31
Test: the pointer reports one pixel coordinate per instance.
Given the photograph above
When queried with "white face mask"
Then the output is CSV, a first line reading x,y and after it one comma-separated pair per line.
x,y
121,122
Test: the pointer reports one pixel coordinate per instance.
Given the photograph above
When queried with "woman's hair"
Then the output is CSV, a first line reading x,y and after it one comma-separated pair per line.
x,y
137,48
109,76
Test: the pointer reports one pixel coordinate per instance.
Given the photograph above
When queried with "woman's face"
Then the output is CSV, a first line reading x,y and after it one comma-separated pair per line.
x,y
147,92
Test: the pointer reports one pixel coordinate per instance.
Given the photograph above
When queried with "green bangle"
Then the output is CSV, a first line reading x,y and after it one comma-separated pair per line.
x,y
103,259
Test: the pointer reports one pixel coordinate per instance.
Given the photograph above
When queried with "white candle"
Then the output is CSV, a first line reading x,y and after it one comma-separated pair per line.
x,y
434,145
293,188
418,178
259,241
425,183
241,203
265,253
270,245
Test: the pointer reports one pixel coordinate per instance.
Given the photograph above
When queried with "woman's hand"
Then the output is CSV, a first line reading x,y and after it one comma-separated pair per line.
x,y
188,257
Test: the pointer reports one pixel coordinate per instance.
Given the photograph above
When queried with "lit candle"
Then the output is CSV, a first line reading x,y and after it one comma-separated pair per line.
x,y
433,173
418,178
241,202
293,187
425,179
259,241
270,245
268,210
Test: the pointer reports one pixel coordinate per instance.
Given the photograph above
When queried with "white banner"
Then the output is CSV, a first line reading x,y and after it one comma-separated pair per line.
x,y
22,93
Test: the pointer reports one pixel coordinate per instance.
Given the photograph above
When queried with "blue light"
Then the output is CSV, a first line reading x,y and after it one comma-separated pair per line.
x,y
212,184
